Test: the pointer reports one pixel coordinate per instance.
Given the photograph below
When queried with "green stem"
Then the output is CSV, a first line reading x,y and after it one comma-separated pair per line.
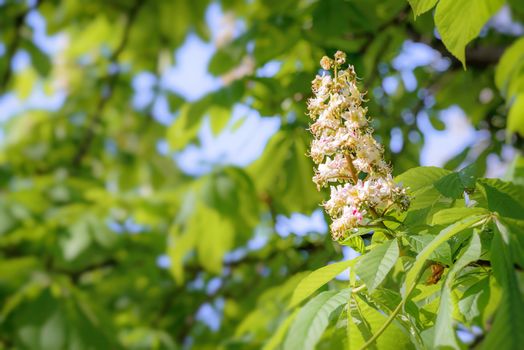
x,y
393,314
358,289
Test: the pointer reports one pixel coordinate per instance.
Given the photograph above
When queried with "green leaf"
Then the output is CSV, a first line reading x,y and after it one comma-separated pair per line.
x,y
516,116
468,176
421,178
215,238
444,332
77,240
185,128
317,279
515,172
364,321
420,182
180,244
277,337
442,254
471,253
355,242
514,231
456,28
39,59
284,172
442,237
313,318
450,186
25,82
226,58
231,192
474,301
504,198
507,331
451,215
508,68
374,266
421,6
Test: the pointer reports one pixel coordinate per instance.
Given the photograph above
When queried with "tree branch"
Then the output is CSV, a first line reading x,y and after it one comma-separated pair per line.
x,y
19,23
107,93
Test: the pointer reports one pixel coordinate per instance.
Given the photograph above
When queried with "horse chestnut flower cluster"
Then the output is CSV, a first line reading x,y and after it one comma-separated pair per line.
x,y
348,158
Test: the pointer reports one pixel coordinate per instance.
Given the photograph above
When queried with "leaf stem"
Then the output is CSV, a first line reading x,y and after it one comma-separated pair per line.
x,y
393,314
358,289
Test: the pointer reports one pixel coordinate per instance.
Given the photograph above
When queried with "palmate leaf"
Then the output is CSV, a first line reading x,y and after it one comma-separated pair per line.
x,y
442,237
313,319
507,331
444,332
458,29
317,279
374,266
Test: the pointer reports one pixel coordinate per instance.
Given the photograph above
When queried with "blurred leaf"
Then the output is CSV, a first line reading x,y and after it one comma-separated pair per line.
x,y
516,116
515,172
215,238
509,69
39,59
278,337
77,240
284,172
25,83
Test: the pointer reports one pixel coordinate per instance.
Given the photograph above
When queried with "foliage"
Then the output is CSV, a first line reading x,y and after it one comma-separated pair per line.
x,y
88,204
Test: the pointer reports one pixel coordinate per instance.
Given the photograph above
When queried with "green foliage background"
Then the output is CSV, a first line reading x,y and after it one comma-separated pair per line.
x,y
68,280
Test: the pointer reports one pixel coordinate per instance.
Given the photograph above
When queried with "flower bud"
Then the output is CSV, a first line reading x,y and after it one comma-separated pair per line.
x,y
326,63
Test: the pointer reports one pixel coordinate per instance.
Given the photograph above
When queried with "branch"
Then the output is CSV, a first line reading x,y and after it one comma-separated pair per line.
x,y
76,275
19,23
112,79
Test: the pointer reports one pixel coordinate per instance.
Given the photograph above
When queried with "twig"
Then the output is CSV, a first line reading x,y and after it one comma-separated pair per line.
x,y
19,23
112,79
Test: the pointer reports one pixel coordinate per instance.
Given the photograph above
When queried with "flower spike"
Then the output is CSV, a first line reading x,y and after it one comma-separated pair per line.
x,y
348,158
